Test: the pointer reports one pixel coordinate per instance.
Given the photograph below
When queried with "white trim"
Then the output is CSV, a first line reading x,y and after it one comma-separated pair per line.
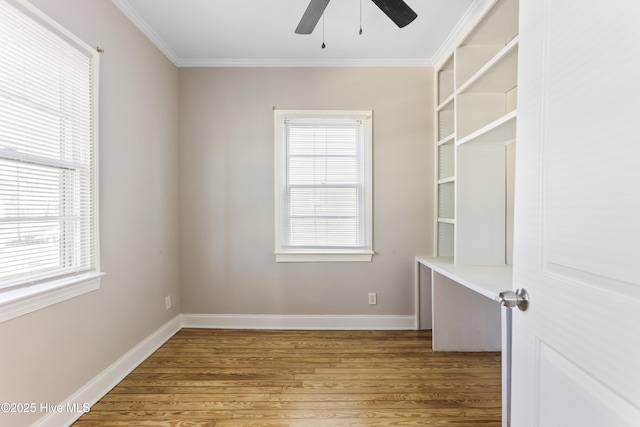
x,y
28,298
52,25
145,28
324,257
102,383
320,254
23,300
301,63
471,17
95,389
138,21
309,322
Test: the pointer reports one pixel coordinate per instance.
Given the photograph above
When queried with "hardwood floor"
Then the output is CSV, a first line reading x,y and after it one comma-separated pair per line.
x,y
215,377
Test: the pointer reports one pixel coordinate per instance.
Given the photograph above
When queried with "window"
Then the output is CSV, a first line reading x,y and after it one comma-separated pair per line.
x,y
323,186
48,146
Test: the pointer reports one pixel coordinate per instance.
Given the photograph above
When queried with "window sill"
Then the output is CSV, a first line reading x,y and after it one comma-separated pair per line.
x,y
17,302
365,256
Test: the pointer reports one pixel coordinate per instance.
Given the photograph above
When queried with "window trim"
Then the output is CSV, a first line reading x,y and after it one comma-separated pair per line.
x,y
24,300
29,297
318,254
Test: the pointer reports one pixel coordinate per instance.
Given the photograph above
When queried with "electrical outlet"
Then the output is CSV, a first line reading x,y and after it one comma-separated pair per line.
x,y
167,302
373,298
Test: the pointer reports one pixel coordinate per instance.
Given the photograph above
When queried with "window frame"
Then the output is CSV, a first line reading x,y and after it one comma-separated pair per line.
x,y
19,298
320,254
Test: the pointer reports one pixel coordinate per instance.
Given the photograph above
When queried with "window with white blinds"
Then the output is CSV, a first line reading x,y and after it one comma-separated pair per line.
x,y
323,185
48,81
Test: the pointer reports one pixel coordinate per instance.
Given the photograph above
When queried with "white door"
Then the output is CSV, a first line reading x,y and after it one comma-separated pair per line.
x,y
576,350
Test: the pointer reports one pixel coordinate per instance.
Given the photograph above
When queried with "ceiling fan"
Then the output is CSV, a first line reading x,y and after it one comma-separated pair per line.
x,y
397,10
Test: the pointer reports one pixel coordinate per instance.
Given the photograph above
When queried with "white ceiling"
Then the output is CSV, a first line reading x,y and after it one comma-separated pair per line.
x,y
261,32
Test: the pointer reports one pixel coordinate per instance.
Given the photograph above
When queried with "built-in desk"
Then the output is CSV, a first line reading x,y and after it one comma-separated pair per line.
x,y
464,313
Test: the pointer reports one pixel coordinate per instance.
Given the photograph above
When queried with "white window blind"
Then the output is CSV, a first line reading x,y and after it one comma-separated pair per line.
x,y
324,185
47,144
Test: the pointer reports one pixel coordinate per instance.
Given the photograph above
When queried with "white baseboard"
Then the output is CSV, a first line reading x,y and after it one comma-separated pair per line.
x,y
319,322
95,389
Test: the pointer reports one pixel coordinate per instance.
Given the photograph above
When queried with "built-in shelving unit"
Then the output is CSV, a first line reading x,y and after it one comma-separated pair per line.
x,y
476,119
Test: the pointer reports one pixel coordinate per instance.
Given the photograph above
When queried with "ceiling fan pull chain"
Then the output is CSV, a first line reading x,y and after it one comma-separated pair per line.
x,y
360,32
396,10
324,5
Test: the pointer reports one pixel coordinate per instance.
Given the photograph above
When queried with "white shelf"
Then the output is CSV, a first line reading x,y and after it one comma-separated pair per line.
x,y
486,280
447,180
447,221
502,130
447,139
446,101
499,74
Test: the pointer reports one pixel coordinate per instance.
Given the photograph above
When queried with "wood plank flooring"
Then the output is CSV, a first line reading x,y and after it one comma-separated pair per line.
x,y
217,377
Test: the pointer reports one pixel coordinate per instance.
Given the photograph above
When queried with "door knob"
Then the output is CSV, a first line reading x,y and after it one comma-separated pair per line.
x,y
519,298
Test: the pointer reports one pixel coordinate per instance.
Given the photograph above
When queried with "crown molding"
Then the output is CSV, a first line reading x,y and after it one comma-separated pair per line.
x,y
142,25
292,63
477,9
471,17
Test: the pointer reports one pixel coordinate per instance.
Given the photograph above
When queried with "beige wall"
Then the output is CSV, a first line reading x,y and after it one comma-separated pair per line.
x,y
226,189
219,181
49,354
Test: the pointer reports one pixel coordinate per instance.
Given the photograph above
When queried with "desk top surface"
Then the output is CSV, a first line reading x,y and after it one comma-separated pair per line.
x,y
487,280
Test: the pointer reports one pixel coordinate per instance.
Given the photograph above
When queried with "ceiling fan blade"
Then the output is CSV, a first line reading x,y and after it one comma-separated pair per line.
x,y
311,16
397,10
